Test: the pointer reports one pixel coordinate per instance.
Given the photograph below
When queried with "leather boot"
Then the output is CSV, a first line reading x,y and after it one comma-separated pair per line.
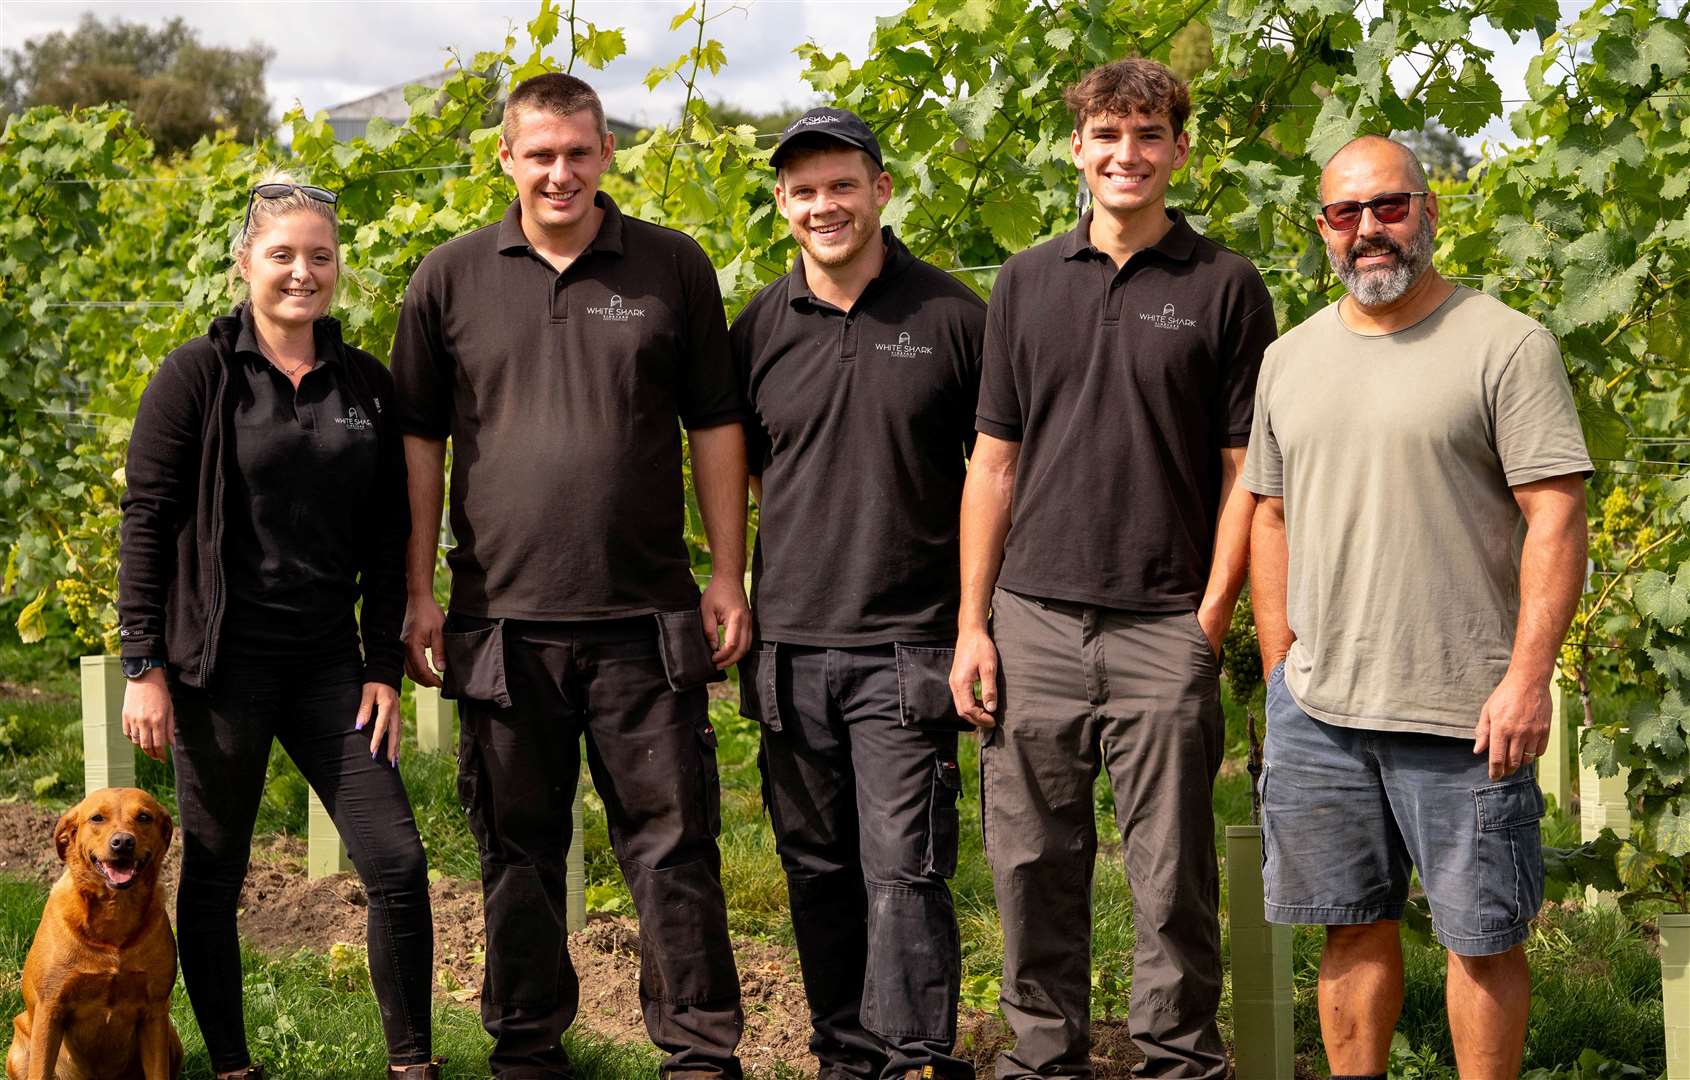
x,y
251,1072
428,1071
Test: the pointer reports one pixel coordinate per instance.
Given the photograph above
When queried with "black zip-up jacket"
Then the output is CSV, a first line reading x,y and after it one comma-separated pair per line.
x,y
171,586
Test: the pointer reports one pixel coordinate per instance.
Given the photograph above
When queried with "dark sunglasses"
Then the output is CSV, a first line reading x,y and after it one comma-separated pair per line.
x,y
1388,209
282,191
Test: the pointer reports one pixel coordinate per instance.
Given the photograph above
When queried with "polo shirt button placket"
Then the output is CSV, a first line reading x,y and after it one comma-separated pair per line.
x,y
560,300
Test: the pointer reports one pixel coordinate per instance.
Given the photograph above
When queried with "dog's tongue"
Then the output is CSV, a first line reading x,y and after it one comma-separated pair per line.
x,y
118,875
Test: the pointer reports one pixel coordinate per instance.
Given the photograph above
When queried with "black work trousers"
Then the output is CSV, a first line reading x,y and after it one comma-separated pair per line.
x,y
527,693
221,750
859,761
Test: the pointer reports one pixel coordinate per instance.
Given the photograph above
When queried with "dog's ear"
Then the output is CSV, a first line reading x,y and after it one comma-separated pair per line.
x,y
165,828
65,831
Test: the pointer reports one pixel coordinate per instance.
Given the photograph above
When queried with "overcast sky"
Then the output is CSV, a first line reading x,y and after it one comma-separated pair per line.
x,y
330,51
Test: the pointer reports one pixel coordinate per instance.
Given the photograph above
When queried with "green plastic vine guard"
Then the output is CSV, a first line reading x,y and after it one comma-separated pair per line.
x,y
1602,804
324,854
1261,966
437,719
1554,769
1675,992
108,757
575,864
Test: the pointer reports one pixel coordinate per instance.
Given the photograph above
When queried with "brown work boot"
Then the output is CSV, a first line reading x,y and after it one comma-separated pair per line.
x,y
428,1071
251,1072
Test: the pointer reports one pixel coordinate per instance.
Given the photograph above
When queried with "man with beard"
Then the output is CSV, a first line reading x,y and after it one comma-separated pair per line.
x,y
861,366
1404,438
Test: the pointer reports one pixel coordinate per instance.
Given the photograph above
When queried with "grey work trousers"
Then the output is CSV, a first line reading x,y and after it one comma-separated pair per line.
x,y
859,762
1085,688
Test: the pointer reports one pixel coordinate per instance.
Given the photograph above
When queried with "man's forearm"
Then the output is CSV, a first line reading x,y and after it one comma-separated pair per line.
x,y
425,482
1231,561
718,475
1269,570
1552,567
987,495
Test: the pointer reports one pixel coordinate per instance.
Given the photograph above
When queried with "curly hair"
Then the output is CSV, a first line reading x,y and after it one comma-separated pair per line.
x,y
1131,85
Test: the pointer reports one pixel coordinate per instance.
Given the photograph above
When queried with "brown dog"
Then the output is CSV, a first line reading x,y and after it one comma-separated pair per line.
x,y
96,986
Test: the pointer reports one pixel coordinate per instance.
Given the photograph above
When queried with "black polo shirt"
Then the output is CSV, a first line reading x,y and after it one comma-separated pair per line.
x,y
863,420
1121,386
305,466
560,393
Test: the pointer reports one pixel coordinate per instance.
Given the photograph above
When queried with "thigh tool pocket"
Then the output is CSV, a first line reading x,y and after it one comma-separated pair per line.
x,y
710,779
1510,852
682,640
475,661
924,688
943,820
758,697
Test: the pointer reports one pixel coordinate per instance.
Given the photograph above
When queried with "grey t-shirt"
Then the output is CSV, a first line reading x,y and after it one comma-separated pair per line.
x,y
1395,454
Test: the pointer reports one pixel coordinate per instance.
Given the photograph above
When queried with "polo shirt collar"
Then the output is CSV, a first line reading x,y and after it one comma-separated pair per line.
x,y
608,239
898,259
1177,243
325,331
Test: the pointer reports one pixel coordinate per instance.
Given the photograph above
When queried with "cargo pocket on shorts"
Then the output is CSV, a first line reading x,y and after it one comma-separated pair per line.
x,y
710,780
924,688
685,650
757,696
943,820
475,662
1510,885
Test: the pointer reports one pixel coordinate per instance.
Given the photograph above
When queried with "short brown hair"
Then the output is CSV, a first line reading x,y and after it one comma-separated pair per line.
x,y
555,93
1124,87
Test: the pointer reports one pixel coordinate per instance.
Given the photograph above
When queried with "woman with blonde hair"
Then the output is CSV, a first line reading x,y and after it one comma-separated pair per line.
x,y
266,500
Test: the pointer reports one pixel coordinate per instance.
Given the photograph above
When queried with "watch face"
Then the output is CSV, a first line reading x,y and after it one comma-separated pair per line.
x,y
134,667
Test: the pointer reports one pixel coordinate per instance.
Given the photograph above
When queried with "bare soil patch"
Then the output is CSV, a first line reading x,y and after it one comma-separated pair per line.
x,y
283,911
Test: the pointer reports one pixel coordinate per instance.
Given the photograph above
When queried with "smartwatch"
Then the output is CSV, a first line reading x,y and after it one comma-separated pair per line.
x,y
136,666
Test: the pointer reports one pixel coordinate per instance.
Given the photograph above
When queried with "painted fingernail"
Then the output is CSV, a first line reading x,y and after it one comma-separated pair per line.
x,y
359,726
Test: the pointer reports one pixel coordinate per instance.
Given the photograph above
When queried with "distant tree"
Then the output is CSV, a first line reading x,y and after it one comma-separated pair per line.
x,y
1191,51
726,114
178,88
1441,152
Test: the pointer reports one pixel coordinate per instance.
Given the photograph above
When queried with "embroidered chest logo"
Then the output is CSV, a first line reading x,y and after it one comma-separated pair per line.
x,y
355,420
904,347
616,310
1167,320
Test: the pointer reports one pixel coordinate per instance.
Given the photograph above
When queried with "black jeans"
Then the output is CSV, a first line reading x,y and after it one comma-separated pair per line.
x,y
859,761
222,748
527,692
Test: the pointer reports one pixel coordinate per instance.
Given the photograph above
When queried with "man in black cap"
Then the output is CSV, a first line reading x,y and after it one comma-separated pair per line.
x,y
861,366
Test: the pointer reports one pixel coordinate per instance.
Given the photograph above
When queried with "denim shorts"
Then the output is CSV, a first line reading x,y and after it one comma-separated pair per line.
x,y
1348,815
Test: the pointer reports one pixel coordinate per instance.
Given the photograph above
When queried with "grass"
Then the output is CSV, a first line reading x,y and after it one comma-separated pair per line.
x,y
1597,982
309,1015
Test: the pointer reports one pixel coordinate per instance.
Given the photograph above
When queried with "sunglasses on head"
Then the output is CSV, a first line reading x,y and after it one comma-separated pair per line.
x,y
282,191
1388,209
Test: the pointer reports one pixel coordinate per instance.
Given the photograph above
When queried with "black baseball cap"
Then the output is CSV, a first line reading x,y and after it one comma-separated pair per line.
x,y
840,125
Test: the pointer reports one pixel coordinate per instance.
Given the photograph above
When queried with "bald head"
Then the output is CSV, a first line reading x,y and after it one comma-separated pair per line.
x,y
1373,156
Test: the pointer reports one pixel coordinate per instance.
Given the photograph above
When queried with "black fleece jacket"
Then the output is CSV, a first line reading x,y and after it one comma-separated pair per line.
x,y
171,587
